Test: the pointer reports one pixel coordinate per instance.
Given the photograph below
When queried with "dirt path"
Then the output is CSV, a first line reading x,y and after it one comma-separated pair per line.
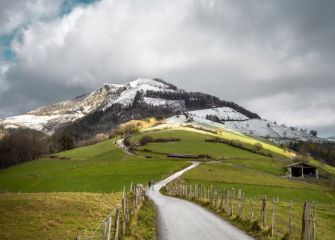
x,y
121,145
181,219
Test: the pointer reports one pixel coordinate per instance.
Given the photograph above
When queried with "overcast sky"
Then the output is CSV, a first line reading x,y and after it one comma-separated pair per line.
x,y
276,58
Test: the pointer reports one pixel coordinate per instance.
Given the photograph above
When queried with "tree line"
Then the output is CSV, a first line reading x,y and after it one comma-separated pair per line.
x,y
197,100
23,145
324,151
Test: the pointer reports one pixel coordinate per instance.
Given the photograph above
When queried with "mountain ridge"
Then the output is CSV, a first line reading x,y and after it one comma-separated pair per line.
x,y
112,104
50,118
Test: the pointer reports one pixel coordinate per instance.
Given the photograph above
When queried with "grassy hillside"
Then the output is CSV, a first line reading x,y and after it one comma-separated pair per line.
x,y
98,168
229,135
255,174
194,143
52,215
104,168
255,183
49,203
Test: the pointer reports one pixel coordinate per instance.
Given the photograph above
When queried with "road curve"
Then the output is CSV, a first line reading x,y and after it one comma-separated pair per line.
x,y
120,144
181,219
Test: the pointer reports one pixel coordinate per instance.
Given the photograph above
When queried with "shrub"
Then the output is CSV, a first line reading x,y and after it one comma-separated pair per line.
x,y
127,142
145,139
166,140
258,147
255,227
148,139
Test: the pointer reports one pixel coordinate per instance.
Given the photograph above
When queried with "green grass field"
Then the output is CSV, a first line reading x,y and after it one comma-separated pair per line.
x,y
255,184
104,168
254,174
98,168
51,199
194,143
43,216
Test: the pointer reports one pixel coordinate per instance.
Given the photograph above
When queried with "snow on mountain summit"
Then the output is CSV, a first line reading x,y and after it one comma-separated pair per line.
x,y
114,103
130,89
51,117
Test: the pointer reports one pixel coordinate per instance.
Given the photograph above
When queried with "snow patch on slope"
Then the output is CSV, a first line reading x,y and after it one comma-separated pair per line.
x,y
239,124
177,104
29,121
264,128
223,113
127,96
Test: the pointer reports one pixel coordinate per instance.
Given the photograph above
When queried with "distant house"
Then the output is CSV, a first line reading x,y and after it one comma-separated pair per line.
x,y
302,170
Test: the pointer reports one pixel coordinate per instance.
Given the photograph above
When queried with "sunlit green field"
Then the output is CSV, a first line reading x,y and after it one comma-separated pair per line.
x,y
104,168
49,198
256,175
255,184
194,143
98,168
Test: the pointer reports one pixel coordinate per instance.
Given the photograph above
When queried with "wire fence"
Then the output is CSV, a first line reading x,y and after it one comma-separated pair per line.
x,y
274,218
115,225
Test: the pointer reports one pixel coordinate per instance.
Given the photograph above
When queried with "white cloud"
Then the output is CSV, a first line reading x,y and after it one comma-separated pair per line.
x,y
309,111
256,54
4,67
120,39
14,14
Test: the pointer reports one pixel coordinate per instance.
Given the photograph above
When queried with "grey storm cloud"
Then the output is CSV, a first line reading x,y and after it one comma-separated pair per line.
x,y
274,57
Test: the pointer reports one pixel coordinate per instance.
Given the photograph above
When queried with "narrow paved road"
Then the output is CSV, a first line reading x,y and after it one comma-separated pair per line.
x,y
181,219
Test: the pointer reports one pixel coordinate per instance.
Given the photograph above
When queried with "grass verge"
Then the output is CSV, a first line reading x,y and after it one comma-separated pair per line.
x,y
143,226
43,216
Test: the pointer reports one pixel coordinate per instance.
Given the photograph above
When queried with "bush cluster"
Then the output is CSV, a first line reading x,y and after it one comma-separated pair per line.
x,y
256,148
148,139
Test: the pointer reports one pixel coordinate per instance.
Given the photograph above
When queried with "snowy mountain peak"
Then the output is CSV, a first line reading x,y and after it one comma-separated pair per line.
x,y
114,103
49,118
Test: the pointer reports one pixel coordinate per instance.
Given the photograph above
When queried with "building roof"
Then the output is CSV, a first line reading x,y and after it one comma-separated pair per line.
x,y
300,164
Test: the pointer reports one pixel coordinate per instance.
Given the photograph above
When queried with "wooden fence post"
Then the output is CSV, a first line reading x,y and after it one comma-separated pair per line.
x,y
273,218
211,194
263,209
123,212
251,210
127,208
218,200
203,193
290,223
214,195
305,222
313,233
134,201
208,198
221,202
131,187
104,230
227,202
232,203
109,228
239,203
117,222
